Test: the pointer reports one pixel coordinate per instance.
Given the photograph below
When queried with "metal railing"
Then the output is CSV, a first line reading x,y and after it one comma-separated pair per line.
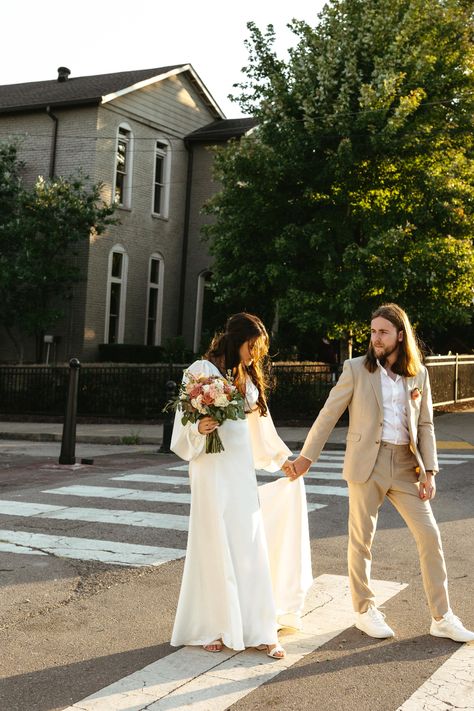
x,y
452,378
139,391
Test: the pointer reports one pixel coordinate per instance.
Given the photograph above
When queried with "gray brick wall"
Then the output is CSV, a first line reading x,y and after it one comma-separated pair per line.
x,y
87,140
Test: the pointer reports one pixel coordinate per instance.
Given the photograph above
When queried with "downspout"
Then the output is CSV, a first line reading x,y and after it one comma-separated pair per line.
x,y
184,252
52,162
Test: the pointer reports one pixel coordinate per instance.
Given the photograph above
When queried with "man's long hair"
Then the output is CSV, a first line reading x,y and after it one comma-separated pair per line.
x,y
409,359
224,352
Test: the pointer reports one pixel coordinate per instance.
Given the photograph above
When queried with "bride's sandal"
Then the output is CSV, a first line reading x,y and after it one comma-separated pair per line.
x,y
215,646
276,652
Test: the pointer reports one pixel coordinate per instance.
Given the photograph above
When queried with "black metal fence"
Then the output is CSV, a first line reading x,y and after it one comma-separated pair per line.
x,y
452,378
138,391
122,391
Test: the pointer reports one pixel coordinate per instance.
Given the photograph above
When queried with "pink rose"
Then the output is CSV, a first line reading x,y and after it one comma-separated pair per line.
x,y
416,393
195,391
207,398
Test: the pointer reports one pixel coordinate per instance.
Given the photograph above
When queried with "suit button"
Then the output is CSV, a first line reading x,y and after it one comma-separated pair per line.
x,y
377,441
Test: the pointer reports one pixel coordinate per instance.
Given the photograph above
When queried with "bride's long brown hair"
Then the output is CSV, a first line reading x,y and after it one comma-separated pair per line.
x,y
224,352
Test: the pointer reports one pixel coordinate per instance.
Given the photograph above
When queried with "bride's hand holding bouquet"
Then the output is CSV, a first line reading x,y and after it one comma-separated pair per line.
x,y
211,399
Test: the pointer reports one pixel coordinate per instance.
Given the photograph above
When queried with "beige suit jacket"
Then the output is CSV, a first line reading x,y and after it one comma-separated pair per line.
x,y
361,392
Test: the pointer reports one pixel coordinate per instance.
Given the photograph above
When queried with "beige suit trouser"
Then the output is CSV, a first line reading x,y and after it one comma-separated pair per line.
x,y
394,476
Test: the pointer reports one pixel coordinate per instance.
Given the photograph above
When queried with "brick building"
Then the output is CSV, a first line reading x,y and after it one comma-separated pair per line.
x,y
146,136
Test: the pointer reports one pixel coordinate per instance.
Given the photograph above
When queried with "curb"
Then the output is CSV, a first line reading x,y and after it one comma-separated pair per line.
x,y
80,439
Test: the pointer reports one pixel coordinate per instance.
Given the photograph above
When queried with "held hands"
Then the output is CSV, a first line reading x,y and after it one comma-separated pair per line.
x,y
427,490
296,467
207,425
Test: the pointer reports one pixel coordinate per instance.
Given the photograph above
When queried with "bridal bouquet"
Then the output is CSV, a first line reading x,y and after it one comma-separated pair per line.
x,y
209,395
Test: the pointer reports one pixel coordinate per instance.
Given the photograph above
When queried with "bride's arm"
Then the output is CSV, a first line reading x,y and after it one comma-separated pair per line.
x,y
186,440
269,450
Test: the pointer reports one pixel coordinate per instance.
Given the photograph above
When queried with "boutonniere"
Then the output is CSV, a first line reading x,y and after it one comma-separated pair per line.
x,y
416,393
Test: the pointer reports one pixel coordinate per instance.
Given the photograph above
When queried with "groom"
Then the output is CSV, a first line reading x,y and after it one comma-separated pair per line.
x,y
390,452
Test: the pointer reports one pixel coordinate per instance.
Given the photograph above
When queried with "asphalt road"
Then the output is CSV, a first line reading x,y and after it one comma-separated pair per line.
x,y
90,578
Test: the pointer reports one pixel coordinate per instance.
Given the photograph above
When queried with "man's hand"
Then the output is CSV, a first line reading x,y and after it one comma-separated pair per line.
x,y
297,467
428,487
288,469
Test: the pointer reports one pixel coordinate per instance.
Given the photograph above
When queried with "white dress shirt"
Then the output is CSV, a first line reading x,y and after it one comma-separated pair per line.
x,y
395,420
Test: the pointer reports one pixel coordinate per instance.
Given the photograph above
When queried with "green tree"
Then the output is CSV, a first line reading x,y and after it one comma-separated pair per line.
x,y
357,187
42,233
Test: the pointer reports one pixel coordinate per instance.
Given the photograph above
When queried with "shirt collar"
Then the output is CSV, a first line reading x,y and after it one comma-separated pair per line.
x,y
384,371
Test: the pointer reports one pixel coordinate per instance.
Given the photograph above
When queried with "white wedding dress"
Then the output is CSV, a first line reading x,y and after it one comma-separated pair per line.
x,y
248,561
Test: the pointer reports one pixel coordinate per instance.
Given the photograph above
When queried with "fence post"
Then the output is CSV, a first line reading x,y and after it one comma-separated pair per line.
x,y
68,443
456,377
170,390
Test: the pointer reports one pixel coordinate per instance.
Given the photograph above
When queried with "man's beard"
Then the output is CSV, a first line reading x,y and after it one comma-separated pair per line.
x,y
382,359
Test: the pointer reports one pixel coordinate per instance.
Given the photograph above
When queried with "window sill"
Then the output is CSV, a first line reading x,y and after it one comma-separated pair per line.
x,y
156,216
123,208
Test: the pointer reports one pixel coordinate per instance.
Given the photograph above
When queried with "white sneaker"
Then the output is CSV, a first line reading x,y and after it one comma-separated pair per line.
x,y
372,623
451,627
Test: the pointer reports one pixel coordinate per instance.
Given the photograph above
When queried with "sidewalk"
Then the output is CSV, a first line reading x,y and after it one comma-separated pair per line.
x,y
453,431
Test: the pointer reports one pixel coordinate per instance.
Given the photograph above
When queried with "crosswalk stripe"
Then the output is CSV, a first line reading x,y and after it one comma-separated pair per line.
x,y
110,492
450,687
452,455
327,490
13,548
183,481
115,553
153,479
194,678
326,465
326,476
451,461
145,519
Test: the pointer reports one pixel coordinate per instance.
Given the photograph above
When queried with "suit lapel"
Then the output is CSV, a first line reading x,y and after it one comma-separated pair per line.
x,y
376,383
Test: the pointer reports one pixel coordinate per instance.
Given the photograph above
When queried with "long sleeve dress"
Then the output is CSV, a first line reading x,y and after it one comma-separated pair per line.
x,y
248,562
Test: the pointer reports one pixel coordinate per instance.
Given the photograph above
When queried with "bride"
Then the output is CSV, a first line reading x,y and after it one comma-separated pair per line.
x,y
248,563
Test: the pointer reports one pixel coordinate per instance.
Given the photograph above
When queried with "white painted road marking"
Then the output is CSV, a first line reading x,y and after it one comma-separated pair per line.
x,y
146,519
110,492
153,479
151,519
184,481
12,548
129,554
450,687
193,678
327,490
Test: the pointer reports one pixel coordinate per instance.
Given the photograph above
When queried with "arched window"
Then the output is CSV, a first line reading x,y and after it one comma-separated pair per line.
x,y
154,307
116,295
123,166
161,178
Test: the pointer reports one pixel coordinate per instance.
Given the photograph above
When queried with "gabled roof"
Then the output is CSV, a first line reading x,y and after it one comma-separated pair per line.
x,y
222,130
97,89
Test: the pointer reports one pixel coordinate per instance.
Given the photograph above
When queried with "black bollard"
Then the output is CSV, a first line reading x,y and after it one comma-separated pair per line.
x,y
170,389
68,443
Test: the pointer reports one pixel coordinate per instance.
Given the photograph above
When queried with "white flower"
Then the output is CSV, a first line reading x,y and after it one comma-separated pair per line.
x,y
196,402
221,401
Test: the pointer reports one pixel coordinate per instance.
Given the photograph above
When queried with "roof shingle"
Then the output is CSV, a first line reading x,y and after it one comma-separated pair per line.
x,y
73,91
